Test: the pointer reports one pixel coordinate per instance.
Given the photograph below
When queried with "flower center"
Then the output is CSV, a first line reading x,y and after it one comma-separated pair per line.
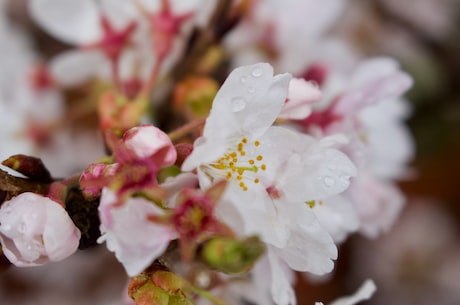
x,y
242,163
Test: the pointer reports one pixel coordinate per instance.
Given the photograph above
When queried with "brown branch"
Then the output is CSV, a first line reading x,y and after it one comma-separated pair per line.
x,y
11,186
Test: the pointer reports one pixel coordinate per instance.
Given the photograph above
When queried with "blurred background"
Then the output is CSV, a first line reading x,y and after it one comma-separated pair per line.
x,y
418,261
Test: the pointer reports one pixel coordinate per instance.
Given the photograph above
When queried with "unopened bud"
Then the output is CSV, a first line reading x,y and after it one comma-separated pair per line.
x,y
194,96
232,255
158,287
183,151
29,166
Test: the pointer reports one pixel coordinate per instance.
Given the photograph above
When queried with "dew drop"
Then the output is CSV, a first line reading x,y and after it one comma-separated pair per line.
x,y
328,181
257,72
203,280
243,79
6,227
251,90
29,247
238,104
22,227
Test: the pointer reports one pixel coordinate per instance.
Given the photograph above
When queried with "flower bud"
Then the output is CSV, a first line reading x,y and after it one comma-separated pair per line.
x,y
35,229
232,255
147,141
193,96
91,180
29,166
183,151
158,287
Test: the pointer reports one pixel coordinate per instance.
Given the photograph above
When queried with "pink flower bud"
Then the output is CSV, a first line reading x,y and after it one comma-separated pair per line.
x,y
301,96
147,141
35,229
95,177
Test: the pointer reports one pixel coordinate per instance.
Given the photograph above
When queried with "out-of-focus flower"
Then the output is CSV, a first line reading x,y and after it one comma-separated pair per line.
x,y
128,232
35,230
366,106
284,33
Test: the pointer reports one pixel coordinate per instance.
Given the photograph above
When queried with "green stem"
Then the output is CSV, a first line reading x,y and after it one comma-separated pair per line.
x,y
207,295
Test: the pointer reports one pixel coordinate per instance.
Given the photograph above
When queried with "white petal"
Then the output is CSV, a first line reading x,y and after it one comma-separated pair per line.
x,y
75,67
372,82
281,286
338,216
310,248
136,241
247,103
378,203
120,12
301,95
364,293
204,151
323,173
74,22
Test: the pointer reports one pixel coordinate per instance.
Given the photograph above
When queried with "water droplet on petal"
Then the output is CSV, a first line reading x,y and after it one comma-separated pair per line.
x,y
257,72
22,227
328,181
29,247
238,104
243,79
6,227
251,90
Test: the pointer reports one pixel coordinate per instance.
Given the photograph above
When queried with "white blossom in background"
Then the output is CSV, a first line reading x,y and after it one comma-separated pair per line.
x,y
35,230
365,105
63,19
292,30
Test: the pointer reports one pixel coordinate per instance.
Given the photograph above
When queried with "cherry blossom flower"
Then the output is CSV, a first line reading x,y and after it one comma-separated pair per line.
x,y
271,171
35,230
128,232
98,28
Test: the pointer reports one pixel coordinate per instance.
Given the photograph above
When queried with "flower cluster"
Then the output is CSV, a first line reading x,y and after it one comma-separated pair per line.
x,y
205,193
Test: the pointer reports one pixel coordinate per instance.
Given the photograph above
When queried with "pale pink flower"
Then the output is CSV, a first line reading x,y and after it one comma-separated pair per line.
x,y
135,240
148,141
271,171
35,230
365,105
377,202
